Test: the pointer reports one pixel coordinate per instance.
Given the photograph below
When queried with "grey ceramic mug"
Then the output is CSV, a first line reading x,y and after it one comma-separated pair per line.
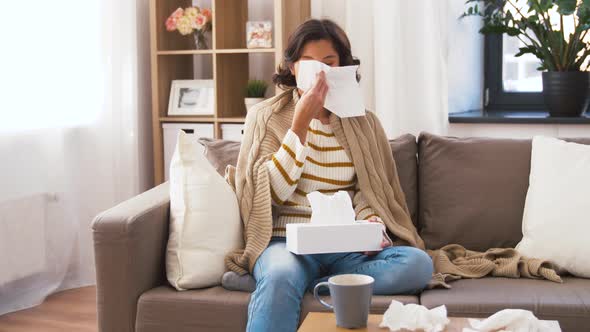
x,y
351,298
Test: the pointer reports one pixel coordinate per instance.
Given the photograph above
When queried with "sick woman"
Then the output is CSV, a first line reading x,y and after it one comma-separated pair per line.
x,y
292,146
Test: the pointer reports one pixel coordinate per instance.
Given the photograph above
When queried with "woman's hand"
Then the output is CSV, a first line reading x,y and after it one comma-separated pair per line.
x,y
384,242
309,106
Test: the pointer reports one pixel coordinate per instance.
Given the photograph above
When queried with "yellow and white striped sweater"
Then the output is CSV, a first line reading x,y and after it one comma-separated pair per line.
x,y
320,165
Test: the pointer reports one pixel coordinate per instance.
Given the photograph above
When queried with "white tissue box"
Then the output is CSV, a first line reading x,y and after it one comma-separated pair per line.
x,y
303,239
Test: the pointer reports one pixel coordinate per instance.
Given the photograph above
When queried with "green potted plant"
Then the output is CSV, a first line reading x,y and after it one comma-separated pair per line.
x,y
539,25
255,90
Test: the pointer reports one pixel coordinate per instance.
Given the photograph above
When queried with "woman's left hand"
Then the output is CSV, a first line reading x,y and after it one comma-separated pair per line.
x,y
384,242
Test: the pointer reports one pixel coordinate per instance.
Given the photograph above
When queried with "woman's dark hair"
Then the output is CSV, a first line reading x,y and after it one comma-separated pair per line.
x,y
312,30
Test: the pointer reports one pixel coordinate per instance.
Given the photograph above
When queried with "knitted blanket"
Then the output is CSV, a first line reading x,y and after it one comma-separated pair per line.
x,y
367,146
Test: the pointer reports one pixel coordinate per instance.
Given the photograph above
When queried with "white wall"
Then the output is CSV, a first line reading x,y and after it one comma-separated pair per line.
x,y
518,130
144,103
465,58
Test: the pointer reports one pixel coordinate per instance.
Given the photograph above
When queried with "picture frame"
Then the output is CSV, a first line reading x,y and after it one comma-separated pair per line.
x,y
192,97
259,34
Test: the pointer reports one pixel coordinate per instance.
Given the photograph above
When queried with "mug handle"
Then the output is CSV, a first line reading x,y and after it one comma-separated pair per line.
x,y
317,296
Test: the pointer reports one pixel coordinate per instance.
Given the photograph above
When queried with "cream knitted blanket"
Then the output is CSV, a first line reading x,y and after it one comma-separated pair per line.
x,y
366,143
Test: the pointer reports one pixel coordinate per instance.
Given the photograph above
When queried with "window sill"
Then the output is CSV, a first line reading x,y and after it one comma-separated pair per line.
x,y
514,117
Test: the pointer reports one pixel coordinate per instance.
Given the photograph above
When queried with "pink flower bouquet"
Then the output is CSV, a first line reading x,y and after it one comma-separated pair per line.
x,y
191,20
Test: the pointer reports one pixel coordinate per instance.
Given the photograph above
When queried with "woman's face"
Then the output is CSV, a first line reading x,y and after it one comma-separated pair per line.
x,y
319,50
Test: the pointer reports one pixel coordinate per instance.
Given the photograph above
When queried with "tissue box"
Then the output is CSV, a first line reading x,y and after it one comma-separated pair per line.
x,y
361,236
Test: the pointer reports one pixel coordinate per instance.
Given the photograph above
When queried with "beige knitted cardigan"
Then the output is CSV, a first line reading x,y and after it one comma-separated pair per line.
x,y
367,146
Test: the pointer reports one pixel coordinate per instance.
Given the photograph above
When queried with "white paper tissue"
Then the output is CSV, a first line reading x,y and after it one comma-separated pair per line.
x,y
333,209
344,97
513,320
414,317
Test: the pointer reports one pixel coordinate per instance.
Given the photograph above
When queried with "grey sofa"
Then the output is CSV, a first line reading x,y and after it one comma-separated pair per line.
x,y
469,191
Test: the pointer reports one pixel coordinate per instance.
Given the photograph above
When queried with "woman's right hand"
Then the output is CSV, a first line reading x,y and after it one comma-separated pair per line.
x,y
309,106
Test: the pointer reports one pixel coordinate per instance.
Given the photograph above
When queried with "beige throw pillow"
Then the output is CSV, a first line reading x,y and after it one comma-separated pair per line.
x,y
204,219
556,220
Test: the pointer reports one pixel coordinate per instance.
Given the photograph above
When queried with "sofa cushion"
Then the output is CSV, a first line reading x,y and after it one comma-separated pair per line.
x,y
211,309
472,190
215,309
569,303
405,150
221,153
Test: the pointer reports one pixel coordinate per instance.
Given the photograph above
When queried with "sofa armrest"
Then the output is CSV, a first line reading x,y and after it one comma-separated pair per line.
x,y
129,249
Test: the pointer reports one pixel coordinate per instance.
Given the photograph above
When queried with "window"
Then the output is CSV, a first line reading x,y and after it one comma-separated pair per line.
x,y
511,83
52,70
519,74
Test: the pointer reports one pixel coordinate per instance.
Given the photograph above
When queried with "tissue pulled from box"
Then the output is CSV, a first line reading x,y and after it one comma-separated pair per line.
x,y
414,317
333,209
345,97
514,320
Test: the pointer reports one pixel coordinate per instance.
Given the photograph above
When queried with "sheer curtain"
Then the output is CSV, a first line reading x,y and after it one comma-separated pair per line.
x,y
74,136
418,61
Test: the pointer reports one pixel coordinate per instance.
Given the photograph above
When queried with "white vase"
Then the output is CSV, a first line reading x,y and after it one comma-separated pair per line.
x,y
249,102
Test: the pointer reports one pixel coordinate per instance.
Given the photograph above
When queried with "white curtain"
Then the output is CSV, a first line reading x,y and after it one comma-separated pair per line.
x,y
74,135
418,61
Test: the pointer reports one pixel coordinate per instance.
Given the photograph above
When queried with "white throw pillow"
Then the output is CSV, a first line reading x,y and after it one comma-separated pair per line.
x,y
556,221
204,219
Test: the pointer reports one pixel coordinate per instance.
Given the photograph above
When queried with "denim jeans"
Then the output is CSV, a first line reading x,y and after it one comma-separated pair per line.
x,y
283,277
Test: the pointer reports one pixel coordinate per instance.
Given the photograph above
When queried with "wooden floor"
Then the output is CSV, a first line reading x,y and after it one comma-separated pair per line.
x,y
71,310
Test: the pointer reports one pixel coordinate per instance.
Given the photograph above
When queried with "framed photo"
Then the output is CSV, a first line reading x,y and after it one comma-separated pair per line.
x,y
259,34
191,97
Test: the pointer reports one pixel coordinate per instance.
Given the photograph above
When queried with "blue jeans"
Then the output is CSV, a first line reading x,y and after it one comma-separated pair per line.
x,y
282,279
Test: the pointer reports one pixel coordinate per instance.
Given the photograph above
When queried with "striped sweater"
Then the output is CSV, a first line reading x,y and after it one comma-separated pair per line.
x,y
320,165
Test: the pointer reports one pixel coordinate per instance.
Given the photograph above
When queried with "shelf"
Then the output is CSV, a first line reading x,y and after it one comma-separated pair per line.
x,y
181,52
232,77
245,50
229,63
201,119
232,120
186,119
218,51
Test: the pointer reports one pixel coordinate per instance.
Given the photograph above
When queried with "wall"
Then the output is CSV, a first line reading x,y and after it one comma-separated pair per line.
x,y
518,131
144,102
465,60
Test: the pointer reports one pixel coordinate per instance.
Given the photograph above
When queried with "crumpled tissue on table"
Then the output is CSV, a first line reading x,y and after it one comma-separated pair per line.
x,y
333,209
345,97
414,317
513,320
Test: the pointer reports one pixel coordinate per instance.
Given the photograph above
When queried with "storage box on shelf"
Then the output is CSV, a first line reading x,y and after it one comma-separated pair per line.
x,y
227,62
232,132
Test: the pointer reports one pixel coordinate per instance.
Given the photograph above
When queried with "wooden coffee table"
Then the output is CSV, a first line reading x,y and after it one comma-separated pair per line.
x,y
326,322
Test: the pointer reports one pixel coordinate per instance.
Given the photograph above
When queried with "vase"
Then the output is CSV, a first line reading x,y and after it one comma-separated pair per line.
x,y
250,102
201,42
566,94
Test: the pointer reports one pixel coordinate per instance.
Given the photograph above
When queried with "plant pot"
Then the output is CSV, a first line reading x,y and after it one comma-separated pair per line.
x,y
249,102
566,94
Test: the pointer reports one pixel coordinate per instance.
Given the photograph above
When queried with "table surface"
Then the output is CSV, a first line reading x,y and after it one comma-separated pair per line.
x,y
326,322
